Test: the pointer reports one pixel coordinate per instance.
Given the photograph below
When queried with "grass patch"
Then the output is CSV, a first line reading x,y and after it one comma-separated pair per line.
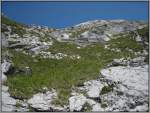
x,y
107,89
18,104
86,107
16,27
104,105
124,43
60,74
144,33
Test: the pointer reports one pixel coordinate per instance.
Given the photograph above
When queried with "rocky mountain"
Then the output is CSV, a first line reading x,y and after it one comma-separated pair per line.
x,y
99,65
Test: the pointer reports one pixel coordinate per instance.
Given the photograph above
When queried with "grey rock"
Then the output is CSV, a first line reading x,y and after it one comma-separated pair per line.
x,y
17,45
4,40
76,102
93,88
137,61
133,82
37,49
8,103
6,66
4,78
42,101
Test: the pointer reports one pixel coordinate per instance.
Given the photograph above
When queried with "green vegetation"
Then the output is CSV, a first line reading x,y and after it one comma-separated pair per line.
x,y
65,73
18,104
144,32
107,89
104,105
17,27
125,43
87,107
8,21
46,38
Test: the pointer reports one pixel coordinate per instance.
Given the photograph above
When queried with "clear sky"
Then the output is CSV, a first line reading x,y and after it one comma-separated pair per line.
x,y
64,14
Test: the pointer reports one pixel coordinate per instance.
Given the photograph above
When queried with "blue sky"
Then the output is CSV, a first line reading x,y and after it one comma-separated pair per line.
x,y
65,14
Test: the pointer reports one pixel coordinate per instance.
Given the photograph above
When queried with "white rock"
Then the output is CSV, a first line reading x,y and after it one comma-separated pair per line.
x,y
97,107
8,103
78,47
105,38
76,102
138,38
133,77
4,78
133,82
6,66
140,108
65,36
91,102
93,88
4,88
42,101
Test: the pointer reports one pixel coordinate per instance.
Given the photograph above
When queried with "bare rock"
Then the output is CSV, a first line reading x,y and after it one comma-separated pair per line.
x,y
76,102
42,101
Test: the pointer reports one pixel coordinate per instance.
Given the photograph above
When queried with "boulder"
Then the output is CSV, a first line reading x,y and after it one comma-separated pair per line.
x,y
4,40
4,88
4,78
97,107
137,61
8,103
76,102
6,66
93,88
42,101
138,38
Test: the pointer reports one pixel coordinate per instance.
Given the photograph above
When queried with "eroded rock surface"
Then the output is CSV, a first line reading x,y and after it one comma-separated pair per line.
x,y
43,101
121,88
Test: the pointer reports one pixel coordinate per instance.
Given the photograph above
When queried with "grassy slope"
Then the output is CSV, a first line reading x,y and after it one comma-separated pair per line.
x,y
65,73
60,74
17,27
